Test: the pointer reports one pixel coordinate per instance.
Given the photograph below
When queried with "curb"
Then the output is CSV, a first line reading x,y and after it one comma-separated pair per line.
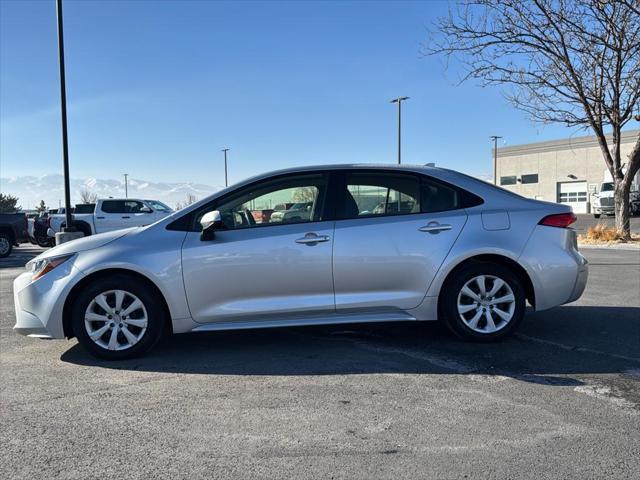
x,y
613,246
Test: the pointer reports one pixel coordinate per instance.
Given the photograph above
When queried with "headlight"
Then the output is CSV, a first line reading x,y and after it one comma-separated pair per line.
x,y
40,267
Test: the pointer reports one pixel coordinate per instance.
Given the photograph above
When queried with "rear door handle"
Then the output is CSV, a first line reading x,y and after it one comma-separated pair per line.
x,y
100,218
312,239
435,227
126,217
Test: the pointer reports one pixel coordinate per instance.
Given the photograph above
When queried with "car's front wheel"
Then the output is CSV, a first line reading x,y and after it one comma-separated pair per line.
x,y
483,302
118,317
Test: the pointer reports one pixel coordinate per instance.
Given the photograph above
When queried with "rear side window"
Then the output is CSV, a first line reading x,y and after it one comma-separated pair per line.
x,y
439,197
113,206
380,194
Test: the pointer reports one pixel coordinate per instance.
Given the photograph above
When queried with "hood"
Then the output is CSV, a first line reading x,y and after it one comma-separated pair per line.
x,y
87,243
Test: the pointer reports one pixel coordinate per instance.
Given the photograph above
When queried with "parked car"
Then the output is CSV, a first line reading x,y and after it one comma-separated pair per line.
x,y
111,214
13,231
469,253
38,228
604,203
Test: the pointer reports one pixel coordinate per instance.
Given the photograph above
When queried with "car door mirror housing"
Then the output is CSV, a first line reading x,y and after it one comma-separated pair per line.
x,y
210,222
146,210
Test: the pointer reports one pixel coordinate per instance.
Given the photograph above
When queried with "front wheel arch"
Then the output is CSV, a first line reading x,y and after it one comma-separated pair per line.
x,y
512,265
78,287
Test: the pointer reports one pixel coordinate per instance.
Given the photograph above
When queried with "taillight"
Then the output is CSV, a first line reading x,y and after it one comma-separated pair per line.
x,y
560,220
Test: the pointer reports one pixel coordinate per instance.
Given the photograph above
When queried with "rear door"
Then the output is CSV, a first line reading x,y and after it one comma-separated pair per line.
x,y
394,230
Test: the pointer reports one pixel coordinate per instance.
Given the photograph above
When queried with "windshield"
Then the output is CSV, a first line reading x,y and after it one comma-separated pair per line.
x,y
607,187
156,205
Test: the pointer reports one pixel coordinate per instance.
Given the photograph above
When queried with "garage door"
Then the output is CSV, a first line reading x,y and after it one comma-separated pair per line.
x,y
573,194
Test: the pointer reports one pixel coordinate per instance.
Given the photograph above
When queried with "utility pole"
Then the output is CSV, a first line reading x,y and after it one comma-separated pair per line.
x,y
63,111
495,158
399,101
126,186
226,180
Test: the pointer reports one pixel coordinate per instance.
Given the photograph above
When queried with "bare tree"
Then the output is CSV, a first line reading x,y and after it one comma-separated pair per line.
x,y
88,197
575,62
191,198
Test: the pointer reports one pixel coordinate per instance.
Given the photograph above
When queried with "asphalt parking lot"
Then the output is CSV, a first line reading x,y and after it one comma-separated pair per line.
x,y
560,400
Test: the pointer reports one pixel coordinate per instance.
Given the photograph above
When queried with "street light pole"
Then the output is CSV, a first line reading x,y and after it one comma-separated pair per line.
x,y
399,101
126,186
63,111
226,180
495,158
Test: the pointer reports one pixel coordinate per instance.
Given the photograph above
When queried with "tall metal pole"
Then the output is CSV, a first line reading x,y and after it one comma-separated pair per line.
x,y
63,109
226,180
399,101
495,158
126,186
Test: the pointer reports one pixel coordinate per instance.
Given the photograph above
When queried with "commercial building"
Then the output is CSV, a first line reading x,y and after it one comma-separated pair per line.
x,y
564,171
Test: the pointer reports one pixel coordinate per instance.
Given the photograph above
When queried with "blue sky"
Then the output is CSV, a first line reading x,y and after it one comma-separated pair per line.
x,y
156,89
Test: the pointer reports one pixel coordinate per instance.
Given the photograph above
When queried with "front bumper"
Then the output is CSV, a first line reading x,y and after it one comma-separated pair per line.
x,y
39,305
603,210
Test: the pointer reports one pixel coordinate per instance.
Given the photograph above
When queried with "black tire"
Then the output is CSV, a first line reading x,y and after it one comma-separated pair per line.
x,y
45,241
156,316
452,288
6,245
596,215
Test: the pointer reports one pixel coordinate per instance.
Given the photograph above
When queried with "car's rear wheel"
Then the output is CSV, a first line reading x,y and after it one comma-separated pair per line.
x,y
117,318
6,245
483,302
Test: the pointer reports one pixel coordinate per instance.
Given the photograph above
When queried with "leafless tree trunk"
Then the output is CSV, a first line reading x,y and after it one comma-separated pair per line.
x,y
575,62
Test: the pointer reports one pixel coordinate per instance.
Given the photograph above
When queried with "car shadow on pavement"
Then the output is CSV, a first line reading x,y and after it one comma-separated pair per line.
x,y
549,348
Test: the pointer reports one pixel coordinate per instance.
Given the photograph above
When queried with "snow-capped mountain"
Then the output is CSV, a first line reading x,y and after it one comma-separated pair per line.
x,y
50,188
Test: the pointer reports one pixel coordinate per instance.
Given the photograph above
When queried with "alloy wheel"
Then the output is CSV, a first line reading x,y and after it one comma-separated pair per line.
x,y
116,320
486,304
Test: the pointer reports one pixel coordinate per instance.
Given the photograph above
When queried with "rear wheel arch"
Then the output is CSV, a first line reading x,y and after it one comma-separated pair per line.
x,y
77,288
507,262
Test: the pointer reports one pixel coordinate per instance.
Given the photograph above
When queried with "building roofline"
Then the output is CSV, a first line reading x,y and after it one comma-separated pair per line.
x,y
572,143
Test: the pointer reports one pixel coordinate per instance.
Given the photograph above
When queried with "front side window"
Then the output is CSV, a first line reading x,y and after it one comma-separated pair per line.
x,y
277,202
156,205
377,194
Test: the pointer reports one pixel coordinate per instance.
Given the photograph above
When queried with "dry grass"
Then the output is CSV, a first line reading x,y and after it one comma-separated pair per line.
x,y
601,234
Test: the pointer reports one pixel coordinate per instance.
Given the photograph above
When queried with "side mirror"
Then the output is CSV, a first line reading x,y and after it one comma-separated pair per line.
x,y
146,210
210,221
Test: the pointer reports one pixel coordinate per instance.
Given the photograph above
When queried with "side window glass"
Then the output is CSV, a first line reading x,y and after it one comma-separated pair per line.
x,y
132,206
438,197
113,206
378,194
292,200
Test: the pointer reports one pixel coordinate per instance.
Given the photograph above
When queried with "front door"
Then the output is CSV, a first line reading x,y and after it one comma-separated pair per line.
x,y
263,266
394,232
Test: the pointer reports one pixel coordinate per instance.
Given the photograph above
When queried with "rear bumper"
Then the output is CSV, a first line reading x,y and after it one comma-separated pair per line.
x,y
557,270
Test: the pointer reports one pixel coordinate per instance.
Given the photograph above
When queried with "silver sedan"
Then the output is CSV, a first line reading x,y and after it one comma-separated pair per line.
x,y
380,244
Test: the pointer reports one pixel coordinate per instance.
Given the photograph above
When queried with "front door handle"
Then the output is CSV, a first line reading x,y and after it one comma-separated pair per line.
x,y
126,217
435,227
312,239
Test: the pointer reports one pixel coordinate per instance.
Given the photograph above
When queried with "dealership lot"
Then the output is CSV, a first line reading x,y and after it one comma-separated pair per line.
x,y
561,399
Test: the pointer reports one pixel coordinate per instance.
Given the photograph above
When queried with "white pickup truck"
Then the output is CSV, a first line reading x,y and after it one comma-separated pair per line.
x,y
112,214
